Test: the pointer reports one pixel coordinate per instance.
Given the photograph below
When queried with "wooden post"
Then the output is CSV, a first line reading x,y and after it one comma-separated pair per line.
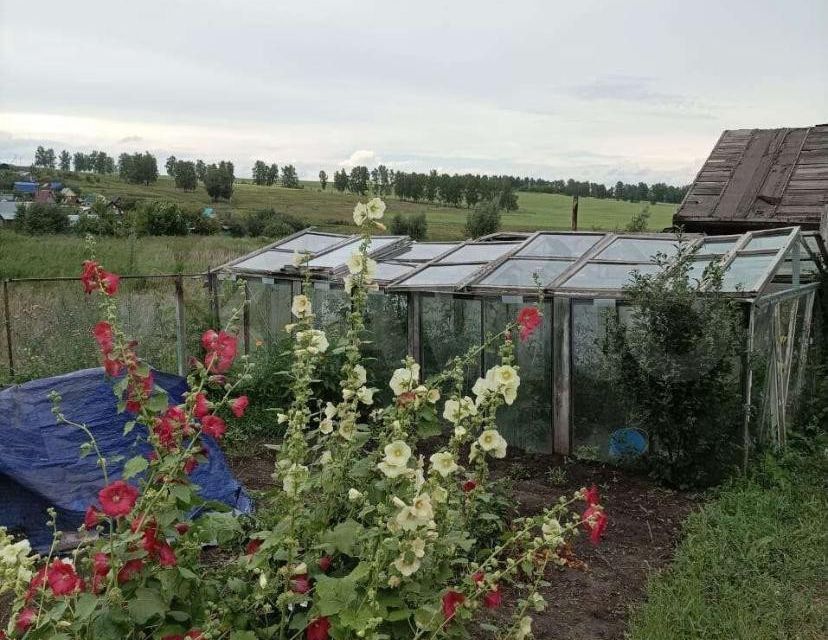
x,y
8,323
414,328
574,213
212,285
747,380
180,327
246,317
561,374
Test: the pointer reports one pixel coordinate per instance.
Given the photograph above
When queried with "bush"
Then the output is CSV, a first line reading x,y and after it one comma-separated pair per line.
x,y
639,221
675,365
414,225
483,220
37,219
163,219
271,223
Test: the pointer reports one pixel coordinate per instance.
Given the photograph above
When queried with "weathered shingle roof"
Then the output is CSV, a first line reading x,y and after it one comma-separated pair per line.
x,y
757,178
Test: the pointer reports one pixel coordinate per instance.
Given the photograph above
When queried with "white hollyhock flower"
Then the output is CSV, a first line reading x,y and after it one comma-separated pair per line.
x,y
294,477
330,410
354,495
325,458
421,507
326,426
407,564
490,440
418,547
355,263
394,582
456,410
439,494
433,396
397,453
443,463
316,340
365,395
375,209
459,431
360,375
347,430
360,213
301,306
404,379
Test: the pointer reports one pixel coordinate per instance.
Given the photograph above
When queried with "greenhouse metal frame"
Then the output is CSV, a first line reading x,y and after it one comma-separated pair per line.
x,y
470,288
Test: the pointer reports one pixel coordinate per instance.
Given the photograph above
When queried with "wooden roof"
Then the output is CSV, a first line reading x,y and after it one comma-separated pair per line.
x,y
756,178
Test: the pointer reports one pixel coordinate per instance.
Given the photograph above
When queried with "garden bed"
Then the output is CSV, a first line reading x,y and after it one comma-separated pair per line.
x,y
644,525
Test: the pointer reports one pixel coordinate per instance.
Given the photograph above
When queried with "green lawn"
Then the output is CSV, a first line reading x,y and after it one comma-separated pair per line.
x,y
331,210
753,564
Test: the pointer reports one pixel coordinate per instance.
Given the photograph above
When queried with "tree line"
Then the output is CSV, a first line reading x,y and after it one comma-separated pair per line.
x,y
641,192
268,175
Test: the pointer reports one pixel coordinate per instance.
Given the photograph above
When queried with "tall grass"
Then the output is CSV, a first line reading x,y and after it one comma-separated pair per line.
x,y
753,564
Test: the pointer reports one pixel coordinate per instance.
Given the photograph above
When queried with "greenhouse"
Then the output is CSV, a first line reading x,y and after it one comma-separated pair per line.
x,y
437,299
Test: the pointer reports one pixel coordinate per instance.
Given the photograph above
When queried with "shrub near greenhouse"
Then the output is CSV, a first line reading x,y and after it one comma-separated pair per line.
x,y
361,536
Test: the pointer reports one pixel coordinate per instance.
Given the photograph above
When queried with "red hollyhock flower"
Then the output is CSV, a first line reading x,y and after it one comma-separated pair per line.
x,y
190,464
239,405
89,276
493,599
252,547
201,407
112,367
109,282
478,577
104,336
325,563
300,584
118,498
529,319
591,496
406,398
318,629
100,564
214,426
469,485
221,350
452,600
166,556
182,528
164,430
130,569
37,582
91,519
138,390
62,578
150,541
595,520
25,619
194,634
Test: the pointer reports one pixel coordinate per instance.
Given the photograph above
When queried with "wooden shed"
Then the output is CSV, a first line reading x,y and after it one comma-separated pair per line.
x,y
760,178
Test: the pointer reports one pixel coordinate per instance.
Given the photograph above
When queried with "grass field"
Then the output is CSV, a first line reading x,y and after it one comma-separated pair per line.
x,y
753,564
331,210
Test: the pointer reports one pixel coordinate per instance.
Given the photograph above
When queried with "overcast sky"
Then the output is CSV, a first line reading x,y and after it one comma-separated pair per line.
x,y
583,89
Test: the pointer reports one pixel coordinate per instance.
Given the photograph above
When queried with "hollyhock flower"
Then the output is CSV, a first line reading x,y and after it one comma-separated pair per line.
x,y
325,563
214,426
138,390
493,599
194,634
201,407
595,520
25,619
112,367
221,350
37,582
100,564
452,600
529,319
591,496
130,569
89,275
300,584
164,430
190,465
118,498
166,555
182,528
62,578
91,519
239,406
104,336
469,485
478,577
318,629
252,546
109,282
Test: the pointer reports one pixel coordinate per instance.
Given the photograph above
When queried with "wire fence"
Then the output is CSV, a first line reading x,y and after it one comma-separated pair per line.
x,y
46,323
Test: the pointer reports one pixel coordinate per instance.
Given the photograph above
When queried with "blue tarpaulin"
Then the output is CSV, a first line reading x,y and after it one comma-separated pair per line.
x,y
25,187
40,465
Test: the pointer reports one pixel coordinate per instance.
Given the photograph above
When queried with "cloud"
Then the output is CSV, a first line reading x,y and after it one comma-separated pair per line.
x,y
360,157
129,139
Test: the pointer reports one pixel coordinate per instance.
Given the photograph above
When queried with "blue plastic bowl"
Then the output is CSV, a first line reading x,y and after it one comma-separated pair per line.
x,y
628,442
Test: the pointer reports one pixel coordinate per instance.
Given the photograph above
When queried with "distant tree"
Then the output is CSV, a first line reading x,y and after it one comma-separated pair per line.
x,y
79,161
201,169
65,161
38,218
101,162
432,185
45,158
185,175
618,192
260,172
384,181
415,226
340,180
272,174
138,168
358,180
289,178
169,165
323,179
219,179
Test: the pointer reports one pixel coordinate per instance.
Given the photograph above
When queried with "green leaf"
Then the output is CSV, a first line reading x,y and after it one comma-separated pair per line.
x,y
343,536
158,401
242,635
134,466
145,605
128,427
85,605
334,594
85,449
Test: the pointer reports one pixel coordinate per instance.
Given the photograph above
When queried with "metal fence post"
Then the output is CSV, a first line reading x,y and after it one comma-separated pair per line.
x,y
7,321
246,317
212,285
180,327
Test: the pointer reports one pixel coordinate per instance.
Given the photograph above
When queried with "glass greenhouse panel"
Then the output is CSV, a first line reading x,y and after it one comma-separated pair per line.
x,y
424,251
697,268
340,256
712,247
441,275
387,271
767,242
311,242
449,327
386,321
520,273
528,422
330,306
606,276
269,261
596,410
745,271
559,246
269,310
483,252
638,249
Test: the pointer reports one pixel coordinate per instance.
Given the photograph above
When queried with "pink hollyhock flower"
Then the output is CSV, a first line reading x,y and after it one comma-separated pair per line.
x,y
325,563
104,336
109,282
452,600
138,390
112,367
300,584
89,275
166,556
318,629
239,406
469,485
220,350
478,577
252,547
591,496
100,564
493,599
201,407
214,426
25,619
595,521
130,569
62,578
91,519
529,319
118,498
